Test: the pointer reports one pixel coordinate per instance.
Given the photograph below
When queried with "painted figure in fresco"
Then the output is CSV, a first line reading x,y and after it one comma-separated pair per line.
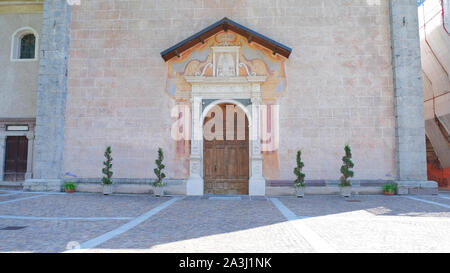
x,y
225,66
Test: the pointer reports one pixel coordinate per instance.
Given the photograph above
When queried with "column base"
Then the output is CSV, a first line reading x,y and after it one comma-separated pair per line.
x,y
416,187
194,186
257,186
50,185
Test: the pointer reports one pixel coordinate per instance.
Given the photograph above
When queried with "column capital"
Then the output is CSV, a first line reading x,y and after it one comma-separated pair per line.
x,y
30,136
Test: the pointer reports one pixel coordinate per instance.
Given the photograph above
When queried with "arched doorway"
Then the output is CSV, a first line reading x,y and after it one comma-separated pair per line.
x,y
226,150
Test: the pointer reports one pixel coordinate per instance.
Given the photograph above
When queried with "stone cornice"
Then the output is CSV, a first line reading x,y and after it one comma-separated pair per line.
x,y
21,6
222,80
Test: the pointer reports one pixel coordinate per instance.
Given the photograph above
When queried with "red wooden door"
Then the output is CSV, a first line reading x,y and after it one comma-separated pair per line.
x,y
226,162
16,156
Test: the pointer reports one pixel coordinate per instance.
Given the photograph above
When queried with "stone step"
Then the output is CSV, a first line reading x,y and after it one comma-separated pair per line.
x,y
11,185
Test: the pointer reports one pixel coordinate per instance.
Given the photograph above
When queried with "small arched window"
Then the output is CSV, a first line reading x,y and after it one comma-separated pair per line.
x,y
27,46
24,45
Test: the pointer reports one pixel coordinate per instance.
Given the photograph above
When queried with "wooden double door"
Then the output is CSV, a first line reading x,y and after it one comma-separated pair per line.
x,y
226,158
16,156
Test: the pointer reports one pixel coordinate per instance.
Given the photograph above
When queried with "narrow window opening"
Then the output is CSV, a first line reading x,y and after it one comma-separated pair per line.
x,y
27,46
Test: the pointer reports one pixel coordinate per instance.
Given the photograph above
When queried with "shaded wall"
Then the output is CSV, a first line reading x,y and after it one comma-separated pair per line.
x,y
18,79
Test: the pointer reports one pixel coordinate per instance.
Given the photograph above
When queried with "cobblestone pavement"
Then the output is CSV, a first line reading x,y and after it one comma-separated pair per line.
x,y
42,222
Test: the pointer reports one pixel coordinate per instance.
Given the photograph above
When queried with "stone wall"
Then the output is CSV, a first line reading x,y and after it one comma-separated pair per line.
x,y
339,78
18,79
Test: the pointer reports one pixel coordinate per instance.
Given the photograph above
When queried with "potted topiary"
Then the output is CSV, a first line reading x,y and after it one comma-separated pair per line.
x,y
158,185
389,188
106,180
345,184
69,187
299,183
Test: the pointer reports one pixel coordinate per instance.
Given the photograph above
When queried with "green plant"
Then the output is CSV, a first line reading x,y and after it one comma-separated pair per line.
x,y
390,187
300,181
106,180
159,170
345,169
70,185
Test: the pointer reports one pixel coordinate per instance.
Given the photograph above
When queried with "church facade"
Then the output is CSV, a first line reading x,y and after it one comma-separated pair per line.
x,y
230,90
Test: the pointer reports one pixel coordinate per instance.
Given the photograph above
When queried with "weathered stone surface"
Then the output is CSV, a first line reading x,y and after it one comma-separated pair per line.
x,y
51,102
408,97
42,185
172,187
416,187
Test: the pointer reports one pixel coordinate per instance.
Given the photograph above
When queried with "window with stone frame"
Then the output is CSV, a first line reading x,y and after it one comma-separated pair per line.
x,y
24,45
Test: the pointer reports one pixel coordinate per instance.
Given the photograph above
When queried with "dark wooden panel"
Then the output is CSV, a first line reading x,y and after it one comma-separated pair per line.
x,y
226,161
16,156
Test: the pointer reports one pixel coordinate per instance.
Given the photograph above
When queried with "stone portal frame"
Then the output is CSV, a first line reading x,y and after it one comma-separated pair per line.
x,y
225,90
28,134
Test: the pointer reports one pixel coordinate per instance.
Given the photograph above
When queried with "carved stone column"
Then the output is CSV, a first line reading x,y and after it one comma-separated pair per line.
x,y
257,182
28,174
409,111
194,185
2,155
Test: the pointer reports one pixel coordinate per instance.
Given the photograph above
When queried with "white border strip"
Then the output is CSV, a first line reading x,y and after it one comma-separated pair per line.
x,y
317,242
15,217
124,228
20,199
9,194
427,201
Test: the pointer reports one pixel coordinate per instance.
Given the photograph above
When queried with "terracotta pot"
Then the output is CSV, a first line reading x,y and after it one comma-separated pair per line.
x,y
70,191
389,193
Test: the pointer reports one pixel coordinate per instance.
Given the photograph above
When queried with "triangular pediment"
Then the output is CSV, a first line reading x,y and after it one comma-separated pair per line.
x,y
224,25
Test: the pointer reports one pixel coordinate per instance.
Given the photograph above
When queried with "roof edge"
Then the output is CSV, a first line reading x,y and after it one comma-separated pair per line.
x,y
225,24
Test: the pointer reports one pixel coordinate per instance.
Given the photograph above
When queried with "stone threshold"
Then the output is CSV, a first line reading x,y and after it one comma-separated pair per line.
x,y
12,184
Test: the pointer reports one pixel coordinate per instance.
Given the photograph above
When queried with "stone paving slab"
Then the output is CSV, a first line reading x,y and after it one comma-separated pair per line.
x,y
212,226
10,196
49,236
372,224
83,205
438,199
382,235
367,206
376,224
